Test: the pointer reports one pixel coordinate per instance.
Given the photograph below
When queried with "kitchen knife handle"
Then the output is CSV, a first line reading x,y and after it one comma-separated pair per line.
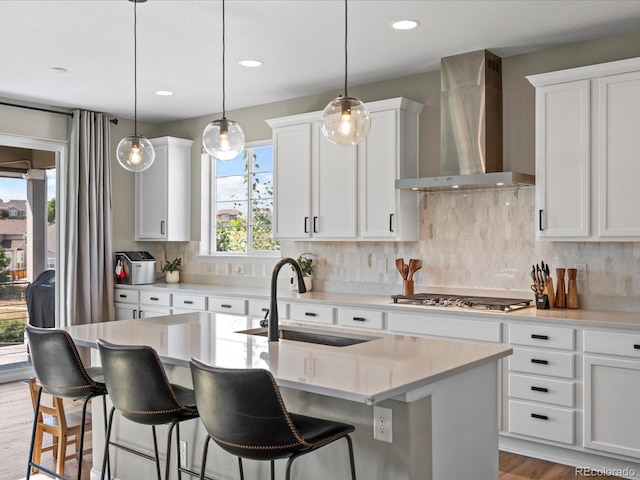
x,y
541,362
541,417
540,220
162,227
539,389
315,224
539,337
306,224
391,222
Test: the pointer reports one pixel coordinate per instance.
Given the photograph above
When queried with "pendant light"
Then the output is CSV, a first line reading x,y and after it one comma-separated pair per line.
x,y
345,120
135,152
223,139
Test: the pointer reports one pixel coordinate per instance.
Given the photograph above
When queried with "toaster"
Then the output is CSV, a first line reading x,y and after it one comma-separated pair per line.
x,y
135,268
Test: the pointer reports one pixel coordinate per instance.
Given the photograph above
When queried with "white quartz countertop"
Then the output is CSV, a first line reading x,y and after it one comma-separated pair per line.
x,y
388,366
590,318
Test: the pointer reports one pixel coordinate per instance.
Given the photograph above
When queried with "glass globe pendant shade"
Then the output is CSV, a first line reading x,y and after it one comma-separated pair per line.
x,y
223,139
346,121
135,153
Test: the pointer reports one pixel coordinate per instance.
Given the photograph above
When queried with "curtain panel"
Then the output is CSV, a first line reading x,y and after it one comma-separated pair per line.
x,y
85,223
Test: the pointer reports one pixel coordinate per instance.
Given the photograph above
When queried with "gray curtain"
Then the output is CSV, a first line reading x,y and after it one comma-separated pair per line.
x,y
84,271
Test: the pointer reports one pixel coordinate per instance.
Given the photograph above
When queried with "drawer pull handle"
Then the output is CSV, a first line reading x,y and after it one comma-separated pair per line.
x,y
539,337
359,319
264,309
225,305
540,389
122,295
541,417
188,302
154,298
636,346
541,362
310,314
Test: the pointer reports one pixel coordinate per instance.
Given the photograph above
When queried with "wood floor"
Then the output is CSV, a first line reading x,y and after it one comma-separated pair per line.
x,y
17,418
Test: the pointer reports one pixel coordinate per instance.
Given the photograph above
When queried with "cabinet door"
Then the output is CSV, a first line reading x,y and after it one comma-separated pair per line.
x,y
292,181
335,183
611,392
125,311
378,157
563,160
619,168
151,198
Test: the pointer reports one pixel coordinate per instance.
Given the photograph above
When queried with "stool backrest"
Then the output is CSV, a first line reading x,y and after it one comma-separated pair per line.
x,y
138,385
242,411
58,365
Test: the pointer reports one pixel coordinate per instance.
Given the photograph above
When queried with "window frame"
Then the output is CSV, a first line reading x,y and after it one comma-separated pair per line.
x,y
208,208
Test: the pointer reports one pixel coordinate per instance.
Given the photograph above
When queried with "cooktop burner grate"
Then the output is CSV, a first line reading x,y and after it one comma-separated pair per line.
x,y
444,300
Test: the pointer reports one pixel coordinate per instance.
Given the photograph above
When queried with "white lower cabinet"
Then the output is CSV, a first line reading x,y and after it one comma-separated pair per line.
x,y
541,421
360,318
312,313
612,392
234,306
456,328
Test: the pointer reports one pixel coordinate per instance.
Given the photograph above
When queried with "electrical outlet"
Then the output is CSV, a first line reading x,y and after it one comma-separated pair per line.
x,y
184,458
240,269
382,265
581,277
382,424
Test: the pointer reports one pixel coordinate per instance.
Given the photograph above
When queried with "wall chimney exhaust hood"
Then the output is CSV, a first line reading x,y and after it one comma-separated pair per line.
x,y
471,126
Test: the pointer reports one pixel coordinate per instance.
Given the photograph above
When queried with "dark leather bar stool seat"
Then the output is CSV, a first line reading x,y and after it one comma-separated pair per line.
x,y
61,373
244,413
140,390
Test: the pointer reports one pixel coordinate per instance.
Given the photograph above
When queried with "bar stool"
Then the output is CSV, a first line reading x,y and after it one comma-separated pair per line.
x,y
140,390
243,412
61,373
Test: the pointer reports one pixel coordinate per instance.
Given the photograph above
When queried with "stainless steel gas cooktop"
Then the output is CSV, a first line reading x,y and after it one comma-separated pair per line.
x,y
445,300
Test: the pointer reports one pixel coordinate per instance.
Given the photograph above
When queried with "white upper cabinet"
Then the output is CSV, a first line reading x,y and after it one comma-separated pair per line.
x,y
329,192
163,197
587,152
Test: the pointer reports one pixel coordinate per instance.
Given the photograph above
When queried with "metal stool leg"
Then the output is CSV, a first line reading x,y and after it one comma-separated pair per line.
x,y
204,457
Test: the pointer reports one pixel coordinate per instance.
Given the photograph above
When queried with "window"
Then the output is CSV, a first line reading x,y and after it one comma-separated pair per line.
x,y
241,203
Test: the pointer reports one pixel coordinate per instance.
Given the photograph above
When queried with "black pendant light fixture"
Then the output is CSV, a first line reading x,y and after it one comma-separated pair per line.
x,y
223,139
135,152
346,120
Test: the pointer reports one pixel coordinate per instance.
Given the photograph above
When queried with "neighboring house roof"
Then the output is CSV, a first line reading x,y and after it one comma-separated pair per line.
x,y
13,227
17,204
228,212
12,244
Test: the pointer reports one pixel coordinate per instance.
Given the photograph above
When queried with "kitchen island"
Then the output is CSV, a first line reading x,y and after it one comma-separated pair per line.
x,y
442,395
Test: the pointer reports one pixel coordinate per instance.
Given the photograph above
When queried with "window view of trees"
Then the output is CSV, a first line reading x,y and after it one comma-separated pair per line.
x,y
244,202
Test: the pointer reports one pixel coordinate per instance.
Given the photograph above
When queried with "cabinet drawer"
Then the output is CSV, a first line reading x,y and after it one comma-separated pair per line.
x,y
126,296
542,362
353,317
542,336
312,313
191,302
236,306
612,343
259,308
445,327
155,298
540,389
549,423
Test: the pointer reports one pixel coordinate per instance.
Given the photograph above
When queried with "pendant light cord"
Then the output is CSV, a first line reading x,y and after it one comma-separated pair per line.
x,y
345,48
224,113
135,68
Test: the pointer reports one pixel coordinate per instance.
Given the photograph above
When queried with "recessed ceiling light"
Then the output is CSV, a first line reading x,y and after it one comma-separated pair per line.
x,y
58,70
164,93
250,63
405,24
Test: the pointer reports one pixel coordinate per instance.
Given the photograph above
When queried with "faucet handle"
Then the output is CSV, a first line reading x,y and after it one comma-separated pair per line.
x,y
264,323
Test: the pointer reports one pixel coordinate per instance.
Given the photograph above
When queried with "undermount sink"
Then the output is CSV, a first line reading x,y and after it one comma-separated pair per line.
x,y
309,336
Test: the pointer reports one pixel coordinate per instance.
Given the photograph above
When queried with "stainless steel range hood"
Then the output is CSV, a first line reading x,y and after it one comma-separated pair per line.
x,y
471,126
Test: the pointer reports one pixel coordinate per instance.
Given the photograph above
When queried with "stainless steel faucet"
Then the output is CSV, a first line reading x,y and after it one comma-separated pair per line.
x,y
273,307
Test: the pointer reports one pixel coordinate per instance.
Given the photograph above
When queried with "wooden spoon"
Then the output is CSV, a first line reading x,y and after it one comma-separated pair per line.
x,y
400,267
414,265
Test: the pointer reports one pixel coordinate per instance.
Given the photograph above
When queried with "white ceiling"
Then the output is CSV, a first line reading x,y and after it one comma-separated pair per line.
x,y
301,43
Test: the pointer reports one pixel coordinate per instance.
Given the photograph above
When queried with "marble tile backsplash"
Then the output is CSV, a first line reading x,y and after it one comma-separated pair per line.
x,y
482,239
